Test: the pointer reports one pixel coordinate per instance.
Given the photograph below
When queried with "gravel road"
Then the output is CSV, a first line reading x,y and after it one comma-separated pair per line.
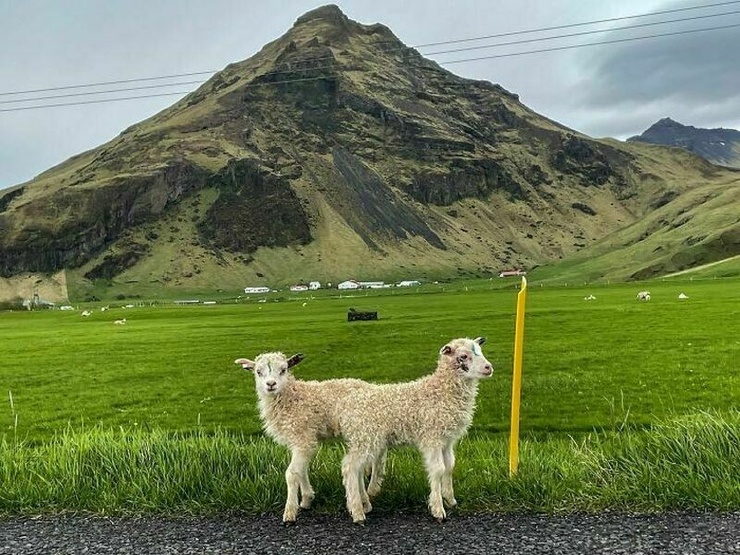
x,y
683,533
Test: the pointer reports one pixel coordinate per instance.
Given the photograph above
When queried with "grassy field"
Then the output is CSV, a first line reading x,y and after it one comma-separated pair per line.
x,y
613,365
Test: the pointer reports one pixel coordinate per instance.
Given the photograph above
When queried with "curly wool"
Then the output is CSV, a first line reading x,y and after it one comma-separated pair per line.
x,y
431,413
304,412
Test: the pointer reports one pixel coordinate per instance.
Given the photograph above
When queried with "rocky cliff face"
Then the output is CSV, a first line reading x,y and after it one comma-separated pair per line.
x,y
335,150
719,146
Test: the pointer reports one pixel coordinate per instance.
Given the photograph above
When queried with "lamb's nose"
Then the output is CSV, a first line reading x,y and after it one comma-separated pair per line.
x,y
271,384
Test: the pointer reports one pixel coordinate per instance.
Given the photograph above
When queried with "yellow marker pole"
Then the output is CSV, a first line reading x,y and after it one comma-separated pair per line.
x,y
516,382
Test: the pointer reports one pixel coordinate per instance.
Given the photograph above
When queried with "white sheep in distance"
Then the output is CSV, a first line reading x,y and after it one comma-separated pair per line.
x,y
643,296
298,414
432,413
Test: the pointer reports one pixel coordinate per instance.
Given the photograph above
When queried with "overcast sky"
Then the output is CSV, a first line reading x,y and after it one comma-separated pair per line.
x,y
616,89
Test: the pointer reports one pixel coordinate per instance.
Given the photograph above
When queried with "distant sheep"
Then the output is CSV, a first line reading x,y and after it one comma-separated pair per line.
x,y
589,298
120,322
297,414
682,296
432,413
86,313
643,296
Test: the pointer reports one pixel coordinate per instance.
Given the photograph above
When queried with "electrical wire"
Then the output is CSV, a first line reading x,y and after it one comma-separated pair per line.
x,y
418,46
322,77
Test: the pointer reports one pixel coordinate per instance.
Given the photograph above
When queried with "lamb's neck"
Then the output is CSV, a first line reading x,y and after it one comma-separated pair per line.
x,y
270,403
449,379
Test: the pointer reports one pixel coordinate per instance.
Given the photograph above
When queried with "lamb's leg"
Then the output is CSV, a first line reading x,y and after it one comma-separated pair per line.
x,y
307,493
293,475
448,493
378,473
434,462
352,470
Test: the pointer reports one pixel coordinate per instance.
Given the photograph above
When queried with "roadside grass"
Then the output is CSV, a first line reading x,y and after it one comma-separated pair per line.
x,y
626,405
678,464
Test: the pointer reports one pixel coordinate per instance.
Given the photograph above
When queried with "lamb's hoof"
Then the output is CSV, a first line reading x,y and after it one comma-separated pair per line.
x,y
359,522
440,515
288,522
440,519
367,506
306,504
451,504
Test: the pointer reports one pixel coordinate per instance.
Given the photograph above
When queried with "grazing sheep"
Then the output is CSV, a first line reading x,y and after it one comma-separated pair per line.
x,y
589,298
297,414
432,413
683,296
643,296
120,322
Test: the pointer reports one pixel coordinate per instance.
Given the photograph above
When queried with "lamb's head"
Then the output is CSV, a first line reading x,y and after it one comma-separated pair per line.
x,y
465,356
270,371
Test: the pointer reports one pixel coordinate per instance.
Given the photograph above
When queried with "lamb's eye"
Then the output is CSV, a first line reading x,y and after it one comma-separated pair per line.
x,y
283,370
259,373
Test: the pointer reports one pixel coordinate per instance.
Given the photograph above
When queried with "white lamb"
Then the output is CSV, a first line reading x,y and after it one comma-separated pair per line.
x,y
432,413
297,414
643,296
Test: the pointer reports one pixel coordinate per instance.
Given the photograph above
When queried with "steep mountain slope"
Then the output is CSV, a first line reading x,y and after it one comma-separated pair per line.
x,y
334,152
719,146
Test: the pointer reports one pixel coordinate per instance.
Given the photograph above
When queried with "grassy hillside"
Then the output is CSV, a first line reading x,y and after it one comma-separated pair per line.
x,y
698,227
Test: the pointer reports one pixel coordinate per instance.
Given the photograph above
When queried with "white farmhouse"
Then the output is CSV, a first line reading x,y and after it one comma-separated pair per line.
x,y
314,285
248,290
299,287
409,283
349,284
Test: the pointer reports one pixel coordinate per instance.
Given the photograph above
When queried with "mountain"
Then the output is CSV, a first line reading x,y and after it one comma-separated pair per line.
x,y
719,146
334,152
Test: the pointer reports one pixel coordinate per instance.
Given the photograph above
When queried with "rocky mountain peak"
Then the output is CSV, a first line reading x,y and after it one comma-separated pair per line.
x,y
330,13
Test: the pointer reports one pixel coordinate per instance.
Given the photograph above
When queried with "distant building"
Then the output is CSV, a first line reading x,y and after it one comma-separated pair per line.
x,y
314,285
510,273
349,284
372,284
409,283
256,290
299,287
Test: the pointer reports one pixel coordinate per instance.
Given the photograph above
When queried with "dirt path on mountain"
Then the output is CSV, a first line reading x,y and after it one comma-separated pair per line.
x,y
696,268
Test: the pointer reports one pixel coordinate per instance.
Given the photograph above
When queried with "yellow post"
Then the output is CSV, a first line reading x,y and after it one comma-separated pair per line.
x,y
516,382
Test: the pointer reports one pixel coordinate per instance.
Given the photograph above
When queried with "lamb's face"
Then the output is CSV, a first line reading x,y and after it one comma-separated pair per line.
x,y
271,371
467,357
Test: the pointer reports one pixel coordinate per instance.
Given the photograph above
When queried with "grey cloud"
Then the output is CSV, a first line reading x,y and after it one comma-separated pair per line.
x,y
690,68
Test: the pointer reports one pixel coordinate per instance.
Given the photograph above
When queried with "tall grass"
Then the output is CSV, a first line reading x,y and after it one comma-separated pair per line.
x,y
682,463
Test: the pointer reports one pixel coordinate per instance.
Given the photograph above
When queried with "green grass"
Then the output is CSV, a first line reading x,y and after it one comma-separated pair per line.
x,y
620,398
587,365
687,463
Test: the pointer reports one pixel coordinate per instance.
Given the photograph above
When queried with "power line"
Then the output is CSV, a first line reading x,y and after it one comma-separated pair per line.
x,y
454,41
571,25
572,46
18,109
82,102
101,83
322,77
68,95
579,34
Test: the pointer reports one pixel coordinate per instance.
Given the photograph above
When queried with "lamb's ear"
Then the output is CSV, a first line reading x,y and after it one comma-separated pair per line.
x,y
295,359
480,340
446,350
246,363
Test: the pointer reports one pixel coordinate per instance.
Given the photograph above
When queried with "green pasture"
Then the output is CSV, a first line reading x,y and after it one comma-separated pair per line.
x,y
604,364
